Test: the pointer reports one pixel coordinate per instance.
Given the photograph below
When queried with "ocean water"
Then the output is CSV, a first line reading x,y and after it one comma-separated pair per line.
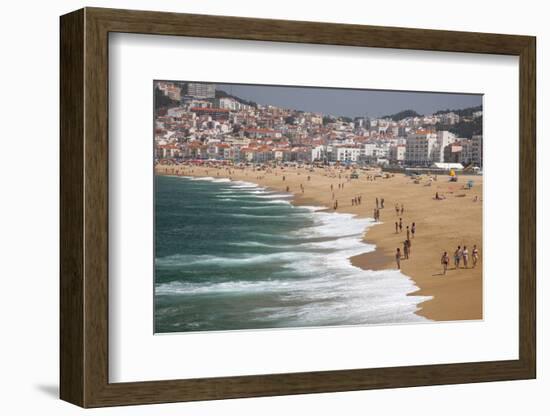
x,y
233,255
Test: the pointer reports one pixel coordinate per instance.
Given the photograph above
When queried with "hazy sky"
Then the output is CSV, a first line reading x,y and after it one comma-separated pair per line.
x,y
351,103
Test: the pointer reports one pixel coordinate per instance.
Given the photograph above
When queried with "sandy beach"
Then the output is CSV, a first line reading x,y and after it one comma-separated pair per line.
x,y
441,225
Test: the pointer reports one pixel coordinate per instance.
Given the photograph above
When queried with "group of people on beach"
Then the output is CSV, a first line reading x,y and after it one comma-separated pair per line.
x,y
356,200
460,254
406,253
399,211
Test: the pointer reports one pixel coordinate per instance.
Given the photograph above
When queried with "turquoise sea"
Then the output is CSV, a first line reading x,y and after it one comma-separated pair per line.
x,y
233,255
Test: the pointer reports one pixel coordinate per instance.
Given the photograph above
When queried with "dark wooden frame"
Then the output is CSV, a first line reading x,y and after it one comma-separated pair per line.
x,y
84,207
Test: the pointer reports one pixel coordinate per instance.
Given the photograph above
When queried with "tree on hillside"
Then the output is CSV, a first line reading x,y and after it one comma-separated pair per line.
x,y
403,114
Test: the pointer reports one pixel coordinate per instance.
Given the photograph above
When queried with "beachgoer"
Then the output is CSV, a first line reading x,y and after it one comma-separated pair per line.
x,y
465,257
396,227
406,249
377,202
402,209
382,202
398,258
457,256
413,229
400,224
408,233
475,255
445,262
397,210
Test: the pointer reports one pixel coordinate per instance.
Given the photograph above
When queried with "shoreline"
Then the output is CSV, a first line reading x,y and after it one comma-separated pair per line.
x,y
452,299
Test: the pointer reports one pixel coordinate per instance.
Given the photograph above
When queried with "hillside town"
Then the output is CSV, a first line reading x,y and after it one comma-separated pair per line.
x,y
198,122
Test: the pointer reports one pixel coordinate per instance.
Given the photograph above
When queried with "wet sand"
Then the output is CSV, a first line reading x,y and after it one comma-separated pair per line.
x,y
441,225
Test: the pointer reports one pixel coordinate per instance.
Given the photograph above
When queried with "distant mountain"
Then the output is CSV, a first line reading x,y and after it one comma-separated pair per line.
x,y
403,114
464,129
464,112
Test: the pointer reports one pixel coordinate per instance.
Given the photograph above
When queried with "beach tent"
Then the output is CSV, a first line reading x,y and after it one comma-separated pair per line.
x,y
449,166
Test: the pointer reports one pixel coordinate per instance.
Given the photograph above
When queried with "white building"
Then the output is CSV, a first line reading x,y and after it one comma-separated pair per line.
x,y
228,103
420,148
449,118
199,90
346,154
477,150
397,153
319,153
444,138
375,151
466,153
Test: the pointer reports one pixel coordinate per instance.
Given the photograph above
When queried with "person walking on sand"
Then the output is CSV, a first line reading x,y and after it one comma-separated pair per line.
x,y
397,210
406,249
376,202
400,224
408,233
413,229
402,209
457,256
445,262
396,227
465,257
475,256
382,203
398,258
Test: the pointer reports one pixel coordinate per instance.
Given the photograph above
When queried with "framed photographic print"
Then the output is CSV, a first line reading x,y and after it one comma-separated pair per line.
x,y
255,207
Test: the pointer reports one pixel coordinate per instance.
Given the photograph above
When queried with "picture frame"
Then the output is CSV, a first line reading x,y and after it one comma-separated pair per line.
x,y
84,215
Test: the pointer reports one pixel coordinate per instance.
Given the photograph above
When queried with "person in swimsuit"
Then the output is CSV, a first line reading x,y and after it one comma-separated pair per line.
x,y
413,229
475,255
398,258
445,262
457,256
465,257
